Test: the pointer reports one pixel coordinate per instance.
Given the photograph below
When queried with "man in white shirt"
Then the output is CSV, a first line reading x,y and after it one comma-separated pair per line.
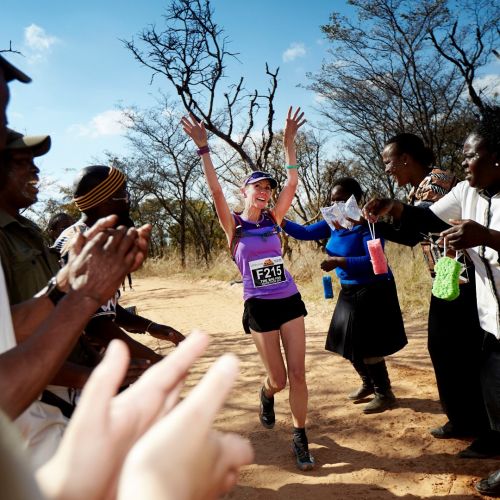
x,y
472,209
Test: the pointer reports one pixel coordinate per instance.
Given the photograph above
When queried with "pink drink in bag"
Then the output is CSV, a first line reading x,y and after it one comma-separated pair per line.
x,y
379,262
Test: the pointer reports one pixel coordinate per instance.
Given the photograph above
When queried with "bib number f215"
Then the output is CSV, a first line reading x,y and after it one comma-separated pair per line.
x,y
268,271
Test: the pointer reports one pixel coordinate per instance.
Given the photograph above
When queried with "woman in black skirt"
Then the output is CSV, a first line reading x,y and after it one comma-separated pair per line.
x,y
367,324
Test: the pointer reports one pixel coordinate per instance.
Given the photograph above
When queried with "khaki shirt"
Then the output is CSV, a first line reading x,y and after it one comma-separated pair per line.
x,y
27,261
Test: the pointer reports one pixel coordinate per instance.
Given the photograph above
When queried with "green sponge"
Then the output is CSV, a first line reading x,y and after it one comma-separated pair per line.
x,y
445,284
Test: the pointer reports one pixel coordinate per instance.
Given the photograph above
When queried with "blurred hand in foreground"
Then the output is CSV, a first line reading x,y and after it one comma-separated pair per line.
x,y
136,426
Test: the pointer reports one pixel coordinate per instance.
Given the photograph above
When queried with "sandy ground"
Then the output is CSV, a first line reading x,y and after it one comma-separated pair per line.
x,y
385,456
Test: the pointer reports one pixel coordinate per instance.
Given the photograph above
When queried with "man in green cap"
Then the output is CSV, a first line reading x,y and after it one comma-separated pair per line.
x,y
26,261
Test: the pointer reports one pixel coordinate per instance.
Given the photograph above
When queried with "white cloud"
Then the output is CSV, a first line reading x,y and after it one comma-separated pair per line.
x,y
296,49
107,123
37,42
172,113
489,84
318,98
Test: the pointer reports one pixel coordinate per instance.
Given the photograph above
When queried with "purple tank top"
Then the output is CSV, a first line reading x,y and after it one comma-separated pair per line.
x,y
260,261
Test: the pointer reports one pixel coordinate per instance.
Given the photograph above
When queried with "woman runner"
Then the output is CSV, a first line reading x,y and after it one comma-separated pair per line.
x,y
273,308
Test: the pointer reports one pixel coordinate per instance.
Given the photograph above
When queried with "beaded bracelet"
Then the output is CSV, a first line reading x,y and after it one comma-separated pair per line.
x,y
203,150
292,166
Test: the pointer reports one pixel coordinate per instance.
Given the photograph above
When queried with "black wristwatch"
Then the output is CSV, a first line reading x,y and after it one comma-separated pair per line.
x,y
52,292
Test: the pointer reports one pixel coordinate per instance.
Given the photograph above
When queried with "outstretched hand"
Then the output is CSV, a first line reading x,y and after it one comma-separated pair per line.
x,y
293,123
196,130
331,263
464,234
377,207
327,265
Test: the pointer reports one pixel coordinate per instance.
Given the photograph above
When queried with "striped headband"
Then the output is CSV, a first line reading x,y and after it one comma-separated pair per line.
x,y
101,192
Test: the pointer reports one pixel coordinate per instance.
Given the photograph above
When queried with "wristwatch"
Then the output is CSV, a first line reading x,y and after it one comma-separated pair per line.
x,y
52,292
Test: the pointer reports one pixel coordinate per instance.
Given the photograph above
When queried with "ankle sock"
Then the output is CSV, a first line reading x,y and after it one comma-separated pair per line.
x,y
299,436
265,397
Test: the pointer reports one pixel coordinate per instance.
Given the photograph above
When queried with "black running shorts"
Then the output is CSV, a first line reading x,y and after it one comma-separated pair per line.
x,y
267,315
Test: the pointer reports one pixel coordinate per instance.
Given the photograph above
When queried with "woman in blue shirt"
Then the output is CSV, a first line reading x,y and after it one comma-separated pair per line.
x,y
367,323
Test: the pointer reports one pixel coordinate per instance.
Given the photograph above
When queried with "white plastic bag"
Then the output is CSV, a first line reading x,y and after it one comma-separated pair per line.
x,y
340,212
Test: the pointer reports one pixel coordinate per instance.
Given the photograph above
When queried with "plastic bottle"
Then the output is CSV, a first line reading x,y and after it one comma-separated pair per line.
x,y
327,286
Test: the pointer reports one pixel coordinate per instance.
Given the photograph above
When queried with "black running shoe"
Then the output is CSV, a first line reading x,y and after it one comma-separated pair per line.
x,y
266,413
304,459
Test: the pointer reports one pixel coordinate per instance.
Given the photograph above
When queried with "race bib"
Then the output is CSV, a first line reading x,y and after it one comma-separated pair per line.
x,y
268,271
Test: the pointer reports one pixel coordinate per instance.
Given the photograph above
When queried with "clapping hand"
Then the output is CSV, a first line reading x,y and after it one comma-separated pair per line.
x,y
100,258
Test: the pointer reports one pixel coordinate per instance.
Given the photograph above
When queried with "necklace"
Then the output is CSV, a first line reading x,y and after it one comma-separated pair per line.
x,y
258,223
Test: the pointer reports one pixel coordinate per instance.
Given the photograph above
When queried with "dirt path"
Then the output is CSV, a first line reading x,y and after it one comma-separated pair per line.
x,y
387,456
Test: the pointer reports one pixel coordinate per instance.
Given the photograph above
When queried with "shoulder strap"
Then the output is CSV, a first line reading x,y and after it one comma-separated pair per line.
x,y
271,215
277,227
237,235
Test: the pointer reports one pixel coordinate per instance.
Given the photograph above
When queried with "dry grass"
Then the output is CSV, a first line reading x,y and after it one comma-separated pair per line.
x,y
412,278
222,268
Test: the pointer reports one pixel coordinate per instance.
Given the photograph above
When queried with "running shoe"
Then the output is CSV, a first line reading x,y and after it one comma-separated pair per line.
x,y
266,413
304,459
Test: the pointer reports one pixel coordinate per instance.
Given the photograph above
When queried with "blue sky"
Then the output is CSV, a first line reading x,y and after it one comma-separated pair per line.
x,y
81,70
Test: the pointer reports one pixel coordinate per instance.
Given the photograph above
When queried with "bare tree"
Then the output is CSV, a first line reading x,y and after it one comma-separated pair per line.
x,y
468,38
145,210
165,179
192,53
384,76
10,49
